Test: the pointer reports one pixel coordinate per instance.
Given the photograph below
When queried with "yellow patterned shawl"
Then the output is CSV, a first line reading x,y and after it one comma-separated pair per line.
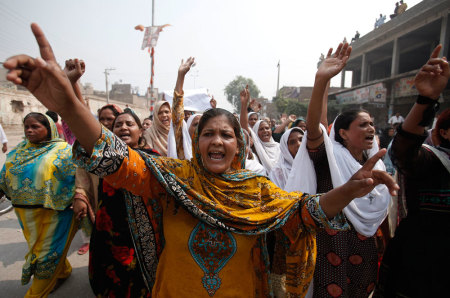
x,y
246,203
240,202
40,174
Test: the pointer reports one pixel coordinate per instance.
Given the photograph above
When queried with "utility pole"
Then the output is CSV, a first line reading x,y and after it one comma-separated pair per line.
x,y
151,57
107,70
278,80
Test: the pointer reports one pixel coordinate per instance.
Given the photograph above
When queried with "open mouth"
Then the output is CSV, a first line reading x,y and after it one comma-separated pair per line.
x,y
124,136
216,155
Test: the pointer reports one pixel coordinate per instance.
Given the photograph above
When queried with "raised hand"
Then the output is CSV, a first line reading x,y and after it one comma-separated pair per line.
x,y
292,118
432,78
364,180
334,63
42,76
185,66
74,69
213,102
245,97
255,106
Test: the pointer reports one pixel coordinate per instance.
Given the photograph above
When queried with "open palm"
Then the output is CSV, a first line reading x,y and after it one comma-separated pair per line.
x,y
334,63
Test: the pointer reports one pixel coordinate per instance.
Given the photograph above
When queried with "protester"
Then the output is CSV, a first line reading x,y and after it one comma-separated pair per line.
x,y
3,140
147,123
286,122
87,185
267,150
253,117
157,135
299,122
251,160
38,177
216,241
346,260
386,137
181,132
114,269
74,69
416,260
55,119
289,144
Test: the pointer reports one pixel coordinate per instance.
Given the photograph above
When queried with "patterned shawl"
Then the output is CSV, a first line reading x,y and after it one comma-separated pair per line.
x,y
157,136
240,202
40,174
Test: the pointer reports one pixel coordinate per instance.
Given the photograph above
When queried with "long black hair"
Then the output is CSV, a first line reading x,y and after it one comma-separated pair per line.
x,y
343,121
142,143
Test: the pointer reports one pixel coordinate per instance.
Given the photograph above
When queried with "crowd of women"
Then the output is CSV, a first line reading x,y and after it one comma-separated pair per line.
x,y
206,204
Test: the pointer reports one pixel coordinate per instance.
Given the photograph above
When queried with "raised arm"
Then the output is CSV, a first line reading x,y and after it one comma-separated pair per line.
x,y
74,70
178,107
245,97
44,78
330,67
285,121
430,81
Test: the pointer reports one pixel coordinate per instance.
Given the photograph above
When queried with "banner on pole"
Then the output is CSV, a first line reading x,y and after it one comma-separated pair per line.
x,y
151,36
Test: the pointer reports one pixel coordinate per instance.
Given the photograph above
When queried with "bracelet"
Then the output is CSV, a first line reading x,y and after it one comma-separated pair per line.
x,y
314,139
424,100
430,112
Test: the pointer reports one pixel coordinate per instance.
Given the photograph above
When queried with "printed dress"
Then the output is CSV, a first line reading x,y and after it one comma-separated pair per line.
x,y
201,234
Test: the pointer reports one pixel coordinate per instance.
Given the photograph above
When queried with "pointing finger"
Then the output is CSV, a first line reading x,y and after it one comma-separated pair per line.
x,y
44,45
370,163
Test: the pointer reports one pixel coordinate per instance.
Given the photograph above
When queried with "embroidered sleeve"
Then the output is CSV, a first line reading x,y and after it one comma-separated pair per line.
x,y
312,210
121,167
107,155
177,119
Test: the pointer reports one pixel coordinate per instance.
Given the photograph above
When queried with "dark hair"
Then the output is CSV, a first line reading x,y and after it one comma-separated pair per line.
x,y
111,107
212,113
443,122
142,143
343,121
42,120
148,118
52,115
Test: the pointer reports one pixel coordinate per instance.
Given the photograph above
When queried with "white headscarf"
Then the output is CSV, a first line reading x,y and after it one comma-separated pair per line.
x,y
187,141
253,164
365,213
280,172
251,113
268,152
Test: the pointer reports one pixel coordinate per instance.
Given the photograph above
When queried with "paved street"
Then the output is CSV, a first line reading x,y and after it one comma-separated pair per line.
x,y
13,248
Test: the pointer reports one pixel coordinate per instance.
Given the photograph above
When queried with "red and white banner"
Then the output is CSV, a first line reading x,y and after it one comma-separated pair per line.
x,y
151,36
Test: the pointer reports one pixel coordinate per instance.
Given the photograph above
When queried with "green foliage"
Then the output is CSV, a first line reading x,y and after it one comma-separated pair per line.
x,y
233,89
291,106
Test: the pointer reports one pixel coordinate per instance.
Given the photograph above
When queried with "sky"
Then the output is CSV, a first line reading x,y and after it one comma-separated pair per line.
x,y
227,38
